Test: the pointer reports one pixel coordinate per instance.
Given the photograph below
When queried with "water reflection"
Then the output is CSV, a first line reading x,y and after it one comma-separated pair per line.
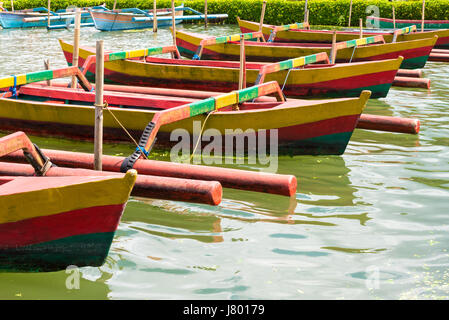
x,y
169,220
52,285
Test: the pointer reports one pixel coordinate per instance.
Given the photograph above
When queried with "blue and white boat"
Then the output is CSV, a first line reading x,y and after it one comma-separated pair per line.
x,y
134,18
38,17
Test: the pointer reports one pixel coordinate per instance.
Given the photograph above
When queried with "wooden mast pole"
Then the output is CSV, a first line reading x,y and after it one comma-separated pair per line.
x,y
47,67
154,16
48,13
350,13
361,28
99,83
242,71
262,16
333,54
173,21
394,19
205,14
76,44
305,10
422,15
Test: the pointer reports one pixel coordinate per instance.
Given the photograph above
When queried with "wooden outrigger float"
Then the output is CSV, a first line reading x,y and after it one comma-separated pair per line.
x,y
50,223
302,34
415,53
314,80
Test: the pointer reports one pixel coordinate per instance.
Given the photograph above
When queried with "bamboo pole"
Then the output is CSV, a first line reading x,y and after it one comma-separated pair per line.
x,y
115,5
334,47
305,10
99,83
76,43
12,5
47,67
307,18
262,16
48,13
154,16
242,70
205,14
173,21
350,14
394,19
422,16
361,28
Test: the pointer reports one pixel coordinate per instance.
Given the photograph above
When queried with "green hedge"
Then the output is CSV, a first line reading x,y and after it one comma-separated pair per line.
x,y
322,12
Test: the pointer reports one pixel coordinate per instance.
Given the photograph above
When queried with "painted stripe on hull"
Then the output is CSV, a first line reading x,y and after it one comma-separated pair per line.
x,y
377,91
315,129
415,63
333,144
346,87
56,226
80,250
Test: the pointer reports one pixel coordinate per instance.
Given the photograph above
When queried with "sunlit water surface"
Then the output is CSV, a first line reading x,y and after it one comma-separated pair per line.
x,y
371,224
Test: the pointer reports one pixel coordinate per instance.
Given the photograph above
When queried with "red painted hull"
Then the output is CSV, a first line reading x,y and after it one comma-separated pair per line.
x,y
102,219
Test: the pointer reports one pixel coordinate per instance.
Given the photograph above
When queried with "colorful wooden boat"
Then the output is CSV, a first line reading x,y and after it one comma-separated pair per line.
x,y
319,80
38,17
50,223
415,52
129,19
124,19
303,126
304,35
386,23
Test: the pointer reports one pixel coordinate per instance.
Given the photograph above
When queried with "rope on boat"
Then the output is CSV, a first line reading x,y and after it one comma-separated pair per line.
x,y
285,81
201,133
352,55
13,89
106,106
272,36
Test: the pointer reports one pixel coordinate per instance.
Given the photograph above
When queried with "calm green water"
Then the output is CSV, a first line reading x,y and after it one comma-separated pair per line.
x,y
371,224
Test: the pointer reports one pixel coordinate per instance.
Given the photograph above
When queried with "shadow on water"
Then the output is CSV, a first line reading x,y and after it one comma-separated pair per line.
x,y
166,219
